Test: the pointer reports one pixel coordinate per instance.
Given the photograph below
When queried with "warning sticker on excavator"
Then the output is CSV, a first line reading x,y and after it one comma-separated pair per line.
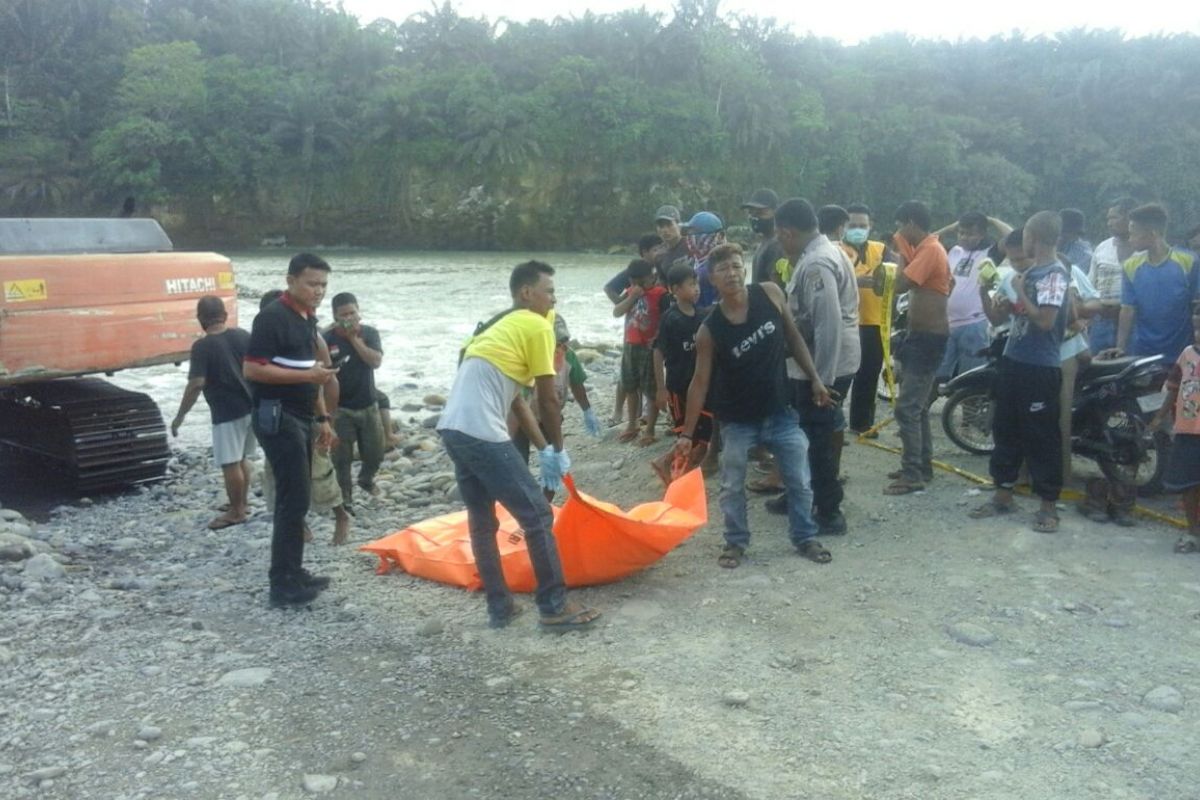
x,y
24,291
225,280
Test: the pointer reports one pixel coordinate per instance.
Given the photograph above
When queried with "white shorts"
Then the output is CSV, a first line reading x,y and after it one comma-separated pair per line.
x,y
233,441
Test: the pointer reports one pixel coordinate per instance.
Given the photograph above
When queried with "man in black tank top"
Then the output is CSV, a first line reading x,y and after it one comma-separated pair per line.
x,y
741,350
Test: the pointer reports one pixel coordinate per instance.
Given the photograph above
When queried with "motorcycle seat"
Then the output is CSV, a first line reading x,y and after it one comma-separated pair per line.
x,y
1102,369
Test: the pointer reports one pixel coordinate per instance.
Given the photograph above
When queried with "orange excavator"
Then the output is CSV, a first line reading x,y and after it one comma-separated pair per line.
x,y
84,297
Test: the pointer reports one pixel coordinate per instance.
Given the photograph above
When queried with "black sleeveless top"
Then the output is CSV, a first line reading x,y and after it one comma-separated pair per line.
x,y
749,380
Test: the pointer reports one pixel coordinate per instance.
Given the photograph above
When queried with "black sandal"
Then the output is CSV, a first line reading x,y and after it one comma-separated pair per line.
x,y
731,557
814,551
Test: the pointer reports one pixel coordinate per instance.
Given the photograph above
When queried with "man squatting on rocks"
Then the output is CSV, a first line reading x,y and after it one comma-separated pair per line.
x,y
282,368
516,350
215,368
740,351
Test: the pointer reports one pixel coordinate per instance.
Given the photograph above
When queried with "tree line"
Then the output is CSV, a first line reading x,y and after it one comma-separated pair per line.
x,y
233,120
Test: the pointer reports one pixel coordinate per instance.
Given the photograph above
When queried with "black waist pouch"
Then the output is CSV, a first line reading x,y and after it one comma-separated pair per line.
x,y
266,416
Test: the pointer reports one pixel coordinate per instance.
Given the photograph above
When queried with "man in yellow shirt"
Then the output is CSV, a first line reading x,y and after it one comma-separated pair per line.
x,y
514,350
866,255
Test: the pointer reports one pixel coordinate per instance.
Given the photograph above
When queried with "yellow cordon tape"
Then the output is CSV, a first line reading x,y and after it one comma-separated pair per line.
x,y
889,291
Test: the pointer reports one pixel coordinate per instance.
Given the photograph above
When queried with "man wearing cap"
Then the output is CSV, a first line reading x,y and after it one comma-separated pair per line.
x,y
666,225
702,234
760,207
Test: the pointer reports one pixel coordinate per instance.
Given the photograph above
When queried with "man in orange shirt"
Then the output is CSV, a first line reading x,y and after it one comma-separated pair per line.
x,y
925,275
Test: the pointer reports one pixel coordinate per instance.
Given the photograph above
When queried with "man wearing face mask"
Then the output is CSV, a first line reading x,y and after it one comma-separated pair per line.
x,y
867,256
760,207
702,234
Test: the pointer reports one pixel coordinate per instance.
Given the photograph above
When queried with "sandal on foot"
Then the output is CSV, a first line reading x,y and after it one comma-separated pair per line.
x,y
991,509
764,486
1187,544
902,486
731,557
571,618
515,610
647,440
224,521
627,435
814,551
1045,522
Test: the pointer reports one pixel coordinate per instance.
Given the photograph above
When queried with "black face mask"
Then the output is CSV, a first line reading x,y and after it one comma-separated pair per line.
x,y
764,226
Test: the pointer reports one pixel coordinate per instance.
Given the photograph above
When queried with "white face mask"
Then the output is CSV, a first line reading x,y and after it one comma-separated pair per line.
x,y
856,236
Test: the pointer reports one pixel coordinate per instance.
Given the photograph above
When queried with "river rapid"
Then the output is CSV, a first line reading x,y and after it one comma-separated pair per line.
x,y
424,305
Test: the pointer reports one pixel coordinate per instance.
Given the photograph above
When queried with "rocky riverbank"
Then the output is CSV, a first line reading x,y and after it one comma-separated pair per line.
x,y
936,657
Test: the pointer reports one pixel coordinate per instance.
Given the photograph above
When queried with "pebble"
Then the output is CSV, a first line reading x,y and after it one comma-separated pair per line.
x,y
44,568
250,676
969,633
319,784
499,684
1091,738
358,757
6,656
431,627
14,547
434,400
149,733
1164,698
45,774
736,698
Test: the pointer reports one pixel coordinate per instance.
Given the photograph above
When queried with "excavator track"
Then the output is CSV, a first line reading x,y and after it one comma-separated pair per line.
x,y
100,435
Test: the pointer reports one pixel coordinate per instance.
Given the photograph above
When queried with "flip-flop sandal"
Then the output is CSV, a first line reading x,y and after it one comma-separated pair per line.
x,y
898,475
576,620
222,522
731,557
814,551
627,436
514,611
646,441
1187,544
991,509
763,486
1045,522
902,487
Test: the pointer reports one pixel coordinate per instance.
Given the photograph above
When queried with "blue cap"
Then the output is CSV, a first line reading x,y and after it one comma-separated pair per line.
x,y
704,222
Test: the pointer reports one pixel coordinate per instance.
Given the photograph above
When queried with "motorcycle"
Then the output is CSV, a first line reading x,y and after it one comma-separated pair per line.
x,y
1115,401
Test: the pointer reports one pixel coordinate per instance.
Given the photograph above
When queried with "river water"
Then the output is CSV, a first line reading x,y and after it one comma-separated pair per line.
x,y
423,304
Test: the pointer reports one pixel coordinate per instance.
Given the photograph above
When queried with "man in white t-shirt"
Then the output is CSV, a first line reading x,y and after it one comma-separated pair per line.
x,y
512,350
971,264
1106,273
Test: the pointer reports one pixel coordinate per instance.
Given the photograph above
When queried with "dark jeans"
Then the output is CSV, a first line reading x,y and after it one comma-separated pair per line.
x,y
490,473
1025,427
919,355
289,451
866,382
819,425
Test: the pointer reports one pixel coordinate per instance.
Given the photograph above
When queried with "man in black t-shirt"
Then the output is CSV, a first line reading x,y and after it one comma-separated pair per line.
x,y
760,207
281,365
356,352
216,370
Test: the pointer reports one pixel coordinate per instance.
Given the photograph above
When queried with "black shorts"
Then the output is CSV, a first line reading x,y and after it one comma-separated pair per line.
x,y
677,405
1183,463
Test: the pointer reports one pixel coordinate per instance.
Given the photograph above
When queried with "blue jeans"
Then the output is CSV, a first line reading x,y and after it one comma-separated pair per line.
x,y
1102,334
780,433
490,473
962,349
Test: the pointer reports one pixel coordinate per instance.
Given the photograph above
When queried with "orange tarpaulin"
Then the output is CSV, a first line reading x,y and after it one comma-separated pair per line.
x,y
597,541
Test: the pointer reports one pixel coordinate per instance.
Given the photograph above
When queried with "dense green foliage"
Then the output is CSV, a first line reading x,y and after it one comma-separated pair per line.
x,y
237,119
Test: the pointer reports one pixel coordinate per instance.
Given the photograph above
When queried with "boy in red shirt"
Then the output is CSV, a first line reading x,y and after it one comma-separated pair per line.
x,y
641,305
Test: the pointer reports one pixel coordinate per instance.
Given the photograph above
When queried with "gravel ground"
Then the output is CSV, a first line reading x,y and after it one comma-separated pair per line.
x,y
936,657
